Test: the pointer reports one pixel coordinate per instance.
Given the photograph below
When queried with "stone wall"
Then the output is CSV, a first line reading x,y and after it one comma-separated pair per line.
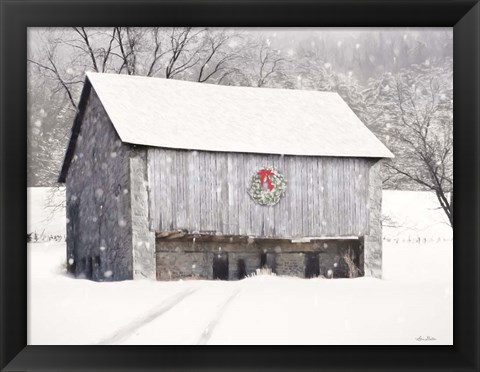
x,y
181,265
291,264
185,258
98,200
373,240
143,240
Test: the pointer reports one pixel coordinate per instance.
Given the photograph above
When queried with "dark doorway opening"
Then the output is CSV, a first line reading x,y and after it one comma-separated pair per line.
x,y
220,266
263,260
89,268
312,266
241,270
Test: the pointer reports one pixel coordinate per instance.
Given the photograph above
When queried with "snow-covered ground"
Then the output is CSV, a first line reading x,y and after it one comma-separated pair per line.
x,y
414,217
412,304
44,218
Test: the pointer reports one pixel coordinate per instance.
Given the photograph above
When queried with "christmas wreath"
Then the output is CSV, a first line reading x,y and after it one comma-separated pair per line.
x,y
267,186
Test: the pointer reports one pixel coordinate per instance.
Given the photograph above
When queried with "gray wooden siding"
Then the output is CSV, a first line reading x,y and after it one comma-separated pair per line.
x,y
95,183
207,191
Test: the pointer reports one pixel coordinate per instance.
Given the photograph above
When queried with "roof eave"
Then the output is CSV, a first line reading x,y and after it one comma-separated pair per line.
x,y
77,122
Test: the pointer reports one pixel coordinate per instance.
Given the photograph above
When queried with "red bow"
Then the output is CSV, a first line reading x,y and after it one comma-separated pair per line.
x,y
265,175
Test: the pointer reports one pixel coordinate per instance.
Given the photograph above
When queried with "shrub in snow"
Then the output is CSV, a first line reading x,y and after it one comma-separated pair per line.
x,y
264,271
33,237
353,270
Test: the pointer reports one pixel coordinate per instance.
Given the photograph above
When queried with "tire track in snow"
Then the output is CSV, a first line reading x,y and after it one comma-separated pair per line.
x,y
164,307
207,333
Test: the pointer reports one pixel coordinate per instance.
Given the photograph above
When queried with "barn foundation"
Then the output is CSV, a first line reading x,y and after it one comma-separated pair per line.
x,y
233,258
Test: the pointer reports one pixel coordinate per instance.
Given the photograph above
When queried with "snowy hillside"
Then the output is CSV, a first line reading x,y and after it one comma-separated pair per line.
x,y
413,302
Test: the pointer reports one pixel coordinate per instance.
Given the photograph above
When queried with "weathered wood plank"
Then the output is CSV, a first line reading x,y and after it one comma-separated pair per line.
x,y
202,191
341,213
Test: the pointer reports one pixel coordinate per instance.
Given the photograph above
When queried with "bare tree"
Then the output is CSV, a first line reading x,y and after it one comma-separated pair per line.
x,y
412,111
50,66
184,54
270,63
219,52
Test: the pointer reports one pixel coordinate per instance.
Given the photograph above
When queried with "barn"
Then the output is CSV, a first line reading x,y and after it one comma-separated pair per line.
x,y
170,179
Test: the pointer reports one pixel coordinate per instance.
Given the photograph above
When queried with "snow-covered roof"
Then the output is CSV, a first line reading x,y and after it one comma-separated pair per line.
x,y
185,115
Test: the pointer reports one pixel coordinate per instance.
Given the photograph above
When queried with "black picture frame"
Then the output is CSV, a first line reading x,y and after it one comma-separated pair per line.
x,y
16,16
